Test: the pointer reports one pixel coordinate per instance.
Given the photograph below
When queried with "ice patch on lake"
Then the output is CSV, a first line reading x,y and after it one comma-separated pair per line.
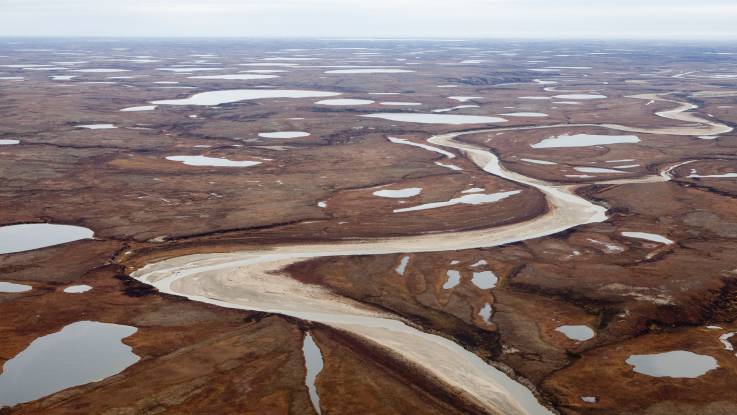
x,y
585,140
470,199
212,161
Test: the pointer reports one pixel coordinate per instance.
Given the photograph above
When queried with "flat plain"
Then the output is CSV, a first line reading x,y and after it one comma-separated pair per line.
x,y
368,226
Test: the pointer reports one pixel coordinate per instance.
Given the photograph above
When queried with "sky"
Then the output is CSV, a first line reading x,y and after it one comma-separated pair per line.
x,y
548,19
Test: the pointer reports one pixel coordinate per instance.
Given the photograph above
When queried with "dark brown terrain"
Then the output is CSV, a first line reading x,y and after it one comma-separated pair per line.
x,y
639,296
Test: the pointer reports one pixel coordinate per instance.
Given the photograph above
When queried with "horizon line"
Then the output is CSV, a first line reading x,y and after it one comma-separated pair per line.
x,y
722,38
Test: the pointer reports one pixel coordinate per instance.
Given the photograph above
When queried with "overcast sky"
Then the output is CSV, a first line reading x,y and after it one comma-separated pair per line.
x,y
681,19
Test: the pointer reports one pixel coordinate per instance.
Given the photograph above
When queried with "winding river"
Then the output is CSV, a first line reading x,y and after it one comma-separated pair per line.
x,y
253,280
